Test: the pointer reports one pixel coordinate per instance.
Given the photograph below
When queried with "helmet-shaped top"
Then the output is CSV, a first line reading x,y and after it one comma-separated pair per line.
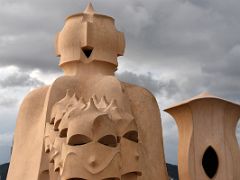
x,y
88,37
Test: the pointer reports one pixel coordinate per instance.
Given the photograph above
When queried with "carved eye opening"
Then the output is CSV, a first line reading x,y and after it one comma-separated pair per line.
x,y
63,133
78,140
132,136
131,175
108,140
47,151
57,169
76,179
56,125
52,120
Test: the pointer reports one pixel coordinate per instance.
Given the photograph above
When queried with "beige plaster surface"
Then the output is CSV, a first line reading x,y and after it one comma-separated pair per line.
x,y
207,121
87,124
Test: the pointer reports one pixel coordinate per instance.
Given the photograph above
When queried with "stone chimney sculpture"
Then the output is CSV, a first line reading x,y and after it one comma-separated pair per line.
x,y
208,147
88,125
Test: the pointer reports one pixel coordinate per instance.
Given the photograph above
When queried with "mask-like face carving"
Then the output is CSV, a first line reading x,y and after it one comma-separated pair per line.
x,y
92,141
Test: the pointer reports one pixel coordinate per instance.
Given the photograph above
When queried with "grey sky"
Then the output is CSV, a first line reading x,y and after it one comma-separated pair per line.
x,y
175,48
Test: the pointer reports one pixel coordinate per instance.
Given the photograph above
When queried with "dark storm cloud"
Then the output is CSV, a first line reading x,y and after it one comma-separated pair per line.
x,y
164,33
27,32
29,52
20,79
188,46
158,87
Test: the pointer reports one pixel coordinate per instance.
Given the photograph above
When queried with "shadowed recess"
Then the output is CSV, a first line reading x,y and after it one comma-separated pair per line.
x,y
108,140
63,133
78,140
132,136
131,175
87,51
210,162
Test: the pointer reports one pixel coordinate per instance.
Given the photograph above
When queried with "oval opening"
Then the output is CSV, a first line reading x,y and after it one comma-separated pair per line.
x,y
132,136
108,140
131,175
78,140
63,133
210,162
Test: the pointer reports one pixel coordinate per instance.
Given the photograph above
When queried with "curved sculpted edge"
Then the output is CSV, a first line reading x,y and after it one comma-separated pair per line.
x,y
27,137
146,111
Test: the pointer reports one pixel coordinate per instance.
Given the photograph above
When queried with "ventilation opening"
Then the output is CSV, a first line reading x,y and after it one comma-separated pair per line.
x,y
87,51
131,175
132,136
108,140
56,124
52,120
78,140
57,169
63,133
210,162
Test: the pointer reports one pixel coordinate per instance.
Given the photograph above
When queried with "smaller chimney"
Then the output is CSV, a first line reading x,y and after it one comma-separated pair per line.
x,y
208,147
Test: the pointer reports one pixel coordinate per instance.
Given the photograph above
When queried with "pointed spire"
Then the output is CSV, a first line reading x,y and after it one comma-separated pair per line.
x,y
73,100
66,97
81,103
103,103
91,106
94,97
89,9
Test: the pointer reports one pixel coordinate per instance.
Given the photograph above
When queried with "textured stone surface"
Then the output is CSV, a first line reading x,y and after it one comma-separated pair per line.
x,y
208,147
87,124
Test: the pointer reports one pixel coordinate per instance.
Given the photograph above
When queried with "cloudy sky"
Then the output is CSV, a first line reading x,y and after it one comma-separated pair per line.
x,y
175,48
